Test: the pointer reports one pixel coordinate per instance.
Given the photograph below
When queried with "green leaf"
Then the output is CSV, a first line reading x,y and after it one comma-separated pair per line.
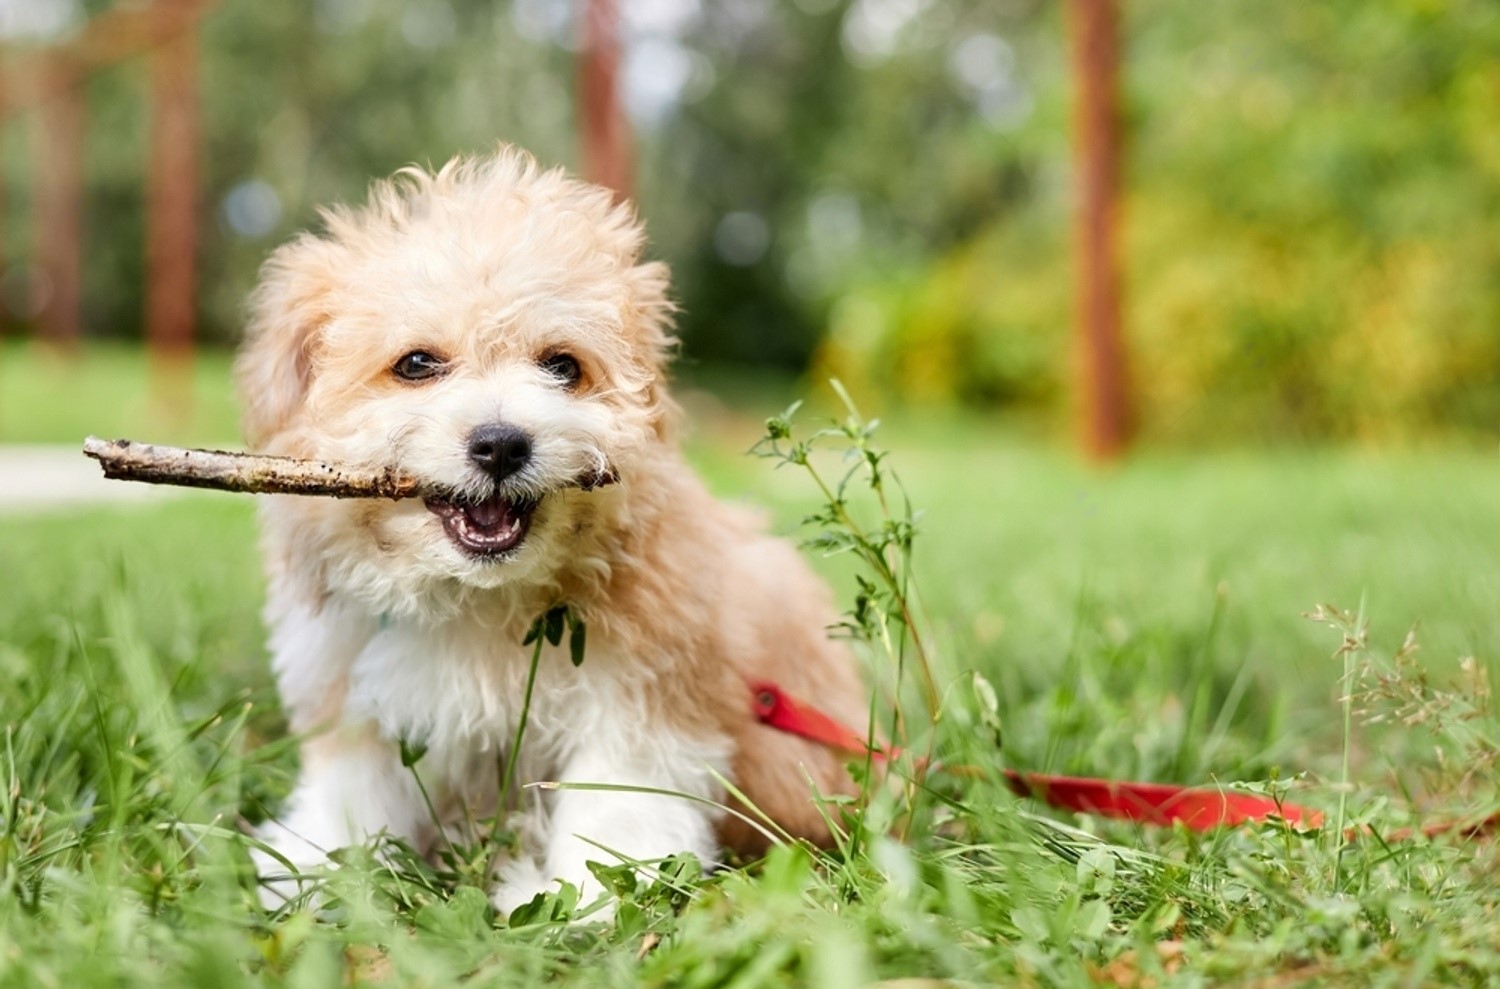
x,y
412,752
618,879
787,870
1032,924
577,641
555,620
989,706
682,869
566,901
529,912
1092,919
1096,872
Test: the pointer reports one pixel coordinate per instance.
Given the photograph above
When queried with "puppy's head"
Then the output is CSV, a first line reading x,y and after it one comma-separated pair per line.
x,y
489,329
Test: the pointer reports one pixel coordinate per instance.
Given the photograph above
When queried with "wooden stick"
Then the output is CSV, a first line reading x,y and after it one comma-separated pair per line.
x,y
252,473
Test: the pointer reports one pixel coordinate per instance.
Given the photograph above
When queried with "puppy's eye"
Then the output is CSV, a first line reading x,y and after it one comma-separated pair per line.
x,y
418,366
563,367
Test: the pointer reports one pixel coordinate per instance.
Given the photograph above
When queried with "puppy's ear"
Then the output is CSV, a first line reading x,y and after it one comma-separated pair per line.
x,y
287,312
654,313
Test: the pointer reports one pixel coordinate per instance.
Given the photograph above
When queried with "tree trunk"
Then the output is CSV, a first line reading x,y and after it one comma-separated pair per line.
x,y
1103,391
605,129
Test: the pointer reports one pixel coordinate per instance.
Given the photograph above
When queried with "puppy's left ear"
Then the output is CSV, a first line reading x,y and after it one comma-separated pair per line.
x,y
653,315
287,312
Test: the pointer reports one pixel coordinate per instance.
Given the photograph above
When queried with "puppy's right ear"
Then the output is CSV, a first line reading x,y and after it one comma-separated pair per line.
x,y
287,312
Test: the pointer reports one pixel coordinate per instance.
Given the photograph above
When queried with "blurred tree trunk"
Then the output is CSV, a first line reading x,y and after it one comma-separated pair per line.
x,y
605,130
1103,389
5,301
172,207
59,209
52,81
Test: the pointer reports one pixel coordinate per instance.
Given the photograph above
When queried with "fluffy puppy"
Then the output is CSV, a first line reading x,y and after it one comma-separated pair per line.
x,y
492,329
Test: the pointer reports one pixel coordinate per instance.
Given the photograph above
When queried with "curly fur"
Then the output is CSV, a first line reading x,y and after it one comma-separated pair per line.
x,y
382,629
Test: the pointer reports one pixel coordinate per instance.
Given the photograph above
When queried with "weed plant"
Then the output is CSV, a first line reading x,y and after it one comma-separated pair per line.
x,y
141,742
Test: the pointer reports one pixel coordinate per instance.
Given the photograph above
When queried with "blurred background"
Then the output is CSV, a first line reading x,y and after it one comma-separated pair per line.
x,y
1173,223
1181,318
1247,255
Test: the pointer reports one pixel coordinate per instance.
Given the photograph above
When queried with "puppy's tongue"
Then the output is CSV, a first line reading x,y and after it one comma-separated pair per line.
x,y
483,528
489,515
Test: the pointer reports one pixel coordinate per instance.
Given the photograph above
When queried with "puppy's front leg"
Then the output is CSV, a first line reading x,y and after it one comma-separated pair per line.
x,y
605,825
352,788
352,784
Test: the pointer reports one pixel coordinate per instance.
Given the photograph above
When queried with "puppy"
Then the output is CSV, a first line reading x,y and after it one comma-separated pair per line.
x,y
492,329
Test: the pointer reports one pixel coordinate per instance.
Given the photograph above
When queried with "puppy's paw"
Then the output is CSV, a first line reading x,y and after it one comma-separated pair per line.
x,y
287,870
520,881
517,883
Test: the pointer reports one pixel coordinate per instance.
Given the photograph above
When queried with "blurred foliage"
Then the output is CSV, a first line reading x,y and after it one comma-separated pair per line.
x,y
1309,245
880,188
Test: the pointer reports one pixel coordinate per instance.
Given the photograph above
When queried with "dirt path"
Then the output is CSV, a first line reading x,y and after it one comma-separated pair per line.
x,y
56,478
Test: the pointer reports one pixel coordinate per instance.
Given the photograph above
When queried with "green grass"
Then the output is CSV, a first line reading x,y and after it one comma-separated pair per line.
x,y
1145,622
107,388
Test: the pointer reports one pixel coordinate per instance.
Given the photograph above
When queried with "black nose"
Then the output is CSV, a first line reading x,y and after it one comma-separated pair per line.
x,y
499,451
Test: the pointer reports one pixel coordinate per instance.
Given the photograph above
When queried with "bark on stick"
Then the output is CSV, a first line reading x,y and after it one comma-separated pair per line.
x,y
247,472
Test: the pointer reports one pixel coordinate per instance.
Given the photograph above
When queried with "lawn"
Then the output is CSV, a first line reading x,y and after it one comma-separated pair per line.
x,y
52,397
1144,622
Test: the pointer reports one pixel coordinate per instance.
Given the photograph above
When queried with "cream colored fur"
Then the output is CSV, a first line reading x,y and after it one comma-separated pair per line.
x,y
383,629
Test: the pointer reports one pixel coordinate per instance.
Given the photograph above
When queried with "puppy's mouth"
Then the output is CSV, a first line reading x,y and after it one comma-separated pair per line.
x,y
484,529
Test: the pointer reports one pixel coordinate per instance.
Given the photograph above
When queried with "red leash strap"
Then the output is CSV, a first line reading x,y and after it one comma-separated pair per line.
x,y
776,708
1199,808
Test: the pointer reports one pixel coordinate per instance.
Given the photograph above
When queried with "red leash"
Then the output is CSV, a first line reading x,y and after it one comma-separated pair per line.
x,y
1199,808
